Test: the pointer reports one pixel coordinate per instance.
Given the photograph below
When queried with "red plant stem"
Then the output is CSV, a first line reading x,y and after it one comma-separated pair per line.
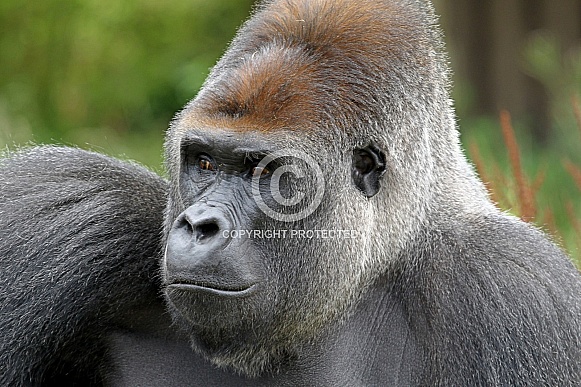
x,y
527,208
577,110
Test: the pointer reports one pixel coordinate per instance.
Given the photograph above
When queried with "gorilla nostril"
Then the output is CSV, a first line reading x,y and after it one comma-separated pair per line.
x,y
187,226
205,231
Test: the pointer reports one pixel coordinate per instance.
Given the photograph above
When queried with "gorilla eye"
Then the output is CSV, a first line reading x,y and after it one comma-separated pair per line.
x,y
205,164
257,171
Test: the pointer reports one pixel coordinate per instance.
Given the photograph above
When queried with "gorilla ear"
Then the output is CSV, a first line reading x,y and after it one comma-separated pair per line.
x,y
367,168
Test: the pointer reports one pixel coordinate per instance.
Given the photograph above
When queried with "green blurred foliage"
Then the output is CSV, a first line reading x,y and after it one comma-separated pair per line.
x,y
559,72
107,73
558,197
557,190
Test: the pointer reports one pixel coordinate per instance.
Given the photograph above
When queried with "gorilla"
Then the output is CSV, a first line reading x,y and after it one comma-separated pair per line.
x,y
320,226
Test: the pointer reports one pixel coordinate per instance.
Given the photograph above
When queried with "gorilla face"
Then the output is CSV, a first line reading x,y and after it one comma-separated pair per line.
x,y
318,125
256,263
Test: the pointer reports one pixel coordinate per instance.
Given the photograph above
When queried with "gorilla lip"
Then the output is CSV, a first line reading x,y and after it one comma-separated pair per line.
x,y
239,291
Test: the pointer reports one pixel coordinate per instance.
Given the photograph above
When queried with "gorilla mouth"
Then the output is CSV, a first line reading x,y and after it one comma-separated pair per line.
x,y
217,289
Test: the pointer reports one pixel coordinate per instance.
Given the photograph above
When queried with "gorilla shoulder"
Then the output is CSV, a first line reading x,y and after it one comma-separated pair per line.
x,y
80,239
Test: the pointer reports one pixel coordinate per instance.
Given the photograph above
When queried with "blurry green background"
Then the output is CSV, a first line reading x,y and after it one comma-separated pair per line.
x,y
109,75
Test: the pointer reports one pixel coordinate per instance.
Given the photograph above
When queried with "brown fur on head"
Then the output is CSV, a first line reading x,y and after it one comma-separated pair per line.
x,y
297,63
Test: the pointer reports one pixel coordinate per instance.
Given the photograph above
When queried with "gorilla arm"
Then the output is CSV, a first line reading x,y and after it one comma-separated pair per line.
x,y
79,247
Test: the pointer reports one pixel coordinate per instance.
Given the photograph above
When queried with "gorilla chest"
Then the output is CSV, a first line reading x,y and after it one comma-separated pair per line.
x,y
368,349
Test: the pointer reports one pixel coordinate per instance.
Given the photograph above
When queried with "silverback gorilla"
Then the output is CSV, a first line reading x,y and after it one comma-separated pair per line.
x,y
321,226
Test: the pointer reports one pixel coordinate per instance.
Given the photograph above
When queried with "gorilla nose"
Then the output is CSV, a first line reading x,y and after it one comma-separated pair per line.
x,y
202,227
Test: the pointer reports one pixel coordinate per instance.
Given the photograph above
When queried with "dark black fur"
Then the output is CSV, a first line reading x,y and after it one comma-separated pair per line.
x,y
79,249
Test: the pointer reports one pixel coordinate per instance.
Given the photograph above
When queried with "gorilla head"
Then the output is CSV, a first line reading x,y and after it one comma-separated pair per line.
x,y
319,148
